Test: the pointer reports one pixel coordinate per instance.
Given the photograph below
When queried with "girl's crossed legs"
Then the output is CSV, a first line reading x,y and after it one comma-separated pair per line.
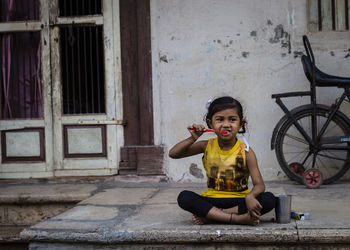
x,y
229,210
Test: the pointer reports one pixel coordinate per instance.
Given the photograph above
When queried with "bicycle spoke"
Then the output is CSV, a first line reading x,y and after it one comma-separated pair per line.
x,y
296,152
308,155
334,152
330,129
325,168
295,157
297,139
291,145
332,157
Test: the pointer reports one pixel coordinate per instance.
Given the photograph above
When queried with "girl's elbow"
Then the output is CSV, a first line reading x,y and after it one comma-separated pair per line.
x,y
173,155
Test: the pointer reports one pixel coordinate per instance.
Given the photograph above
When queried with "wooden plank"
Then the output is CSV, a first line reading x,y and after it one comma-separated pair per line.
x,y
20,26
150,160
128,158
128,33
117,79
142,160
46,83
326,15
110,86
340,15
94,20
313,15
145,73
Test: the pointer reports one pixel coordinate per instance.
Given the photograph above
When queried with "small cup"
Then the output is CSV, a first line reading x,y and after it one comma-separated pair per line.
x,y
283,208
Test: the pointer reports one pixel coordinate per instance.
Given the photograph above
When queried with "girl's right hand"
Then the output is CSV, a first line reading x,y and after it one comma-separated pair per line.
x,y
199,130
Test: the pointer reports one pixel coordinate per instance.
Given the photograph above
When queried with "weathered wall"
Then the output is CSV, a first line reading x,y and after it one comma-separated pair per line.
x,y
203,49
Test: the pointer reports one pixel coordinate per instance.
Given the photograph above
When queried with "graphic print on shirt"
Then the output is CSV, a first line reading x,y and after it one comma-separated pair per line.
x,y
226,172
232,179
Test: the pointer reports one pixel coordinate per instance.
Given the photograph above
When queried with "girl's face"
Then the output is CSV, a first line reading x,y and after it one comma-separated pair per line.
x,y
226,120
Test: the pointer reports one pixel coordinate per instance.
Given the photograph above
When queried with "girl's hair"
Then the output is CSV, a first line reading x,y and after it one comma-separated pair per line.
x,y
222,103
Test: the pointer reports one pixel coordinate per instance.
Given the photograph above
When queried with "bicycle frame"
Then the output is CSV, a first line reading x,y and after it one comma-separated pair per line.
x,y
307,135
316,141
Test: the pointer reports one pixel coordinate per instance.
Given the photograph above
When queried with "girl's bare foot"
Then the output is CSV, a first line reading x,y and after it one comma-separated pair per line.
x,y
246,219
231,210
198,220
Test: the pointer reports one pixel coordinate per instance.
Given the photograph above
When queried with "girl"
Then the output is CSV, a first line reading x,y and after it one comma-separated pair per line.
x,y
228,163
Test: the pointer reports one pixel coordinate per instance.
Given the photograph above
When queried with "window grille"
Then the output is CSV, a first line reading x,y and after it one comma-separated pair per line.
x,y
82,69
80,7
328,15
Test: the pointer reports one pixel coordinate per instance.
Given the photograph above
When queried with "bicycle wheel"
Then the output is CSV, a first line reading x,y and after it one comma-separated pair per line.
x,y
292,148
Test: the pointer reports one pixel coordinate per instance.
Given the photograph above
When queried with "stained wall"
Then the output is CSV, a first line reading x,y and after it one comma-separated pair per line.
x,y
202,49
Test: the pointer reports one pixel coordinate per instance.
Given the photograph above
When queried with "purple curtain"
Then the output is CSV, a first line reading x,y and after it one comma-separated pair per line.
x,y
20,74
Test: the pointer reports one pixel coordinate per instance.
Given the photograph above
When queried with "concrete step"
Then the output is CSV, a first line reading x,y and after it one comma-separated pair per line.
x,y
25,202
23,205
147,216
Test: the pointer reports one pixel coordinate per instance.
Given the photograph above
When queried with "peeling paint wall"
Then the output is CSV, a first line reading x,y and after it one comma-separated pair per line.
x,y
204,49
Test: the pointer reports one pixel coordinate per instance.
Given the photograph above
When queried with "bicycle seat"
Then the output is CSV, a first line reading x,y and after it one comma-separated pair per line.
x,y
322,79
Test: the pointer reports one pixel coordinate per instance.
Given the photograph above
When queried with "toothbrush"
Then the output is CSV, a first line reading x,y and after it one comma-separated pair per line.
x,y
215,131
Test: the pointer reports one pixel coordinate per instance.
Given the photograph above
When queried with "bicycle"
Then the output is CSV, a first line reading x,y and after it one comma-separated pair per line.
x,y
312,141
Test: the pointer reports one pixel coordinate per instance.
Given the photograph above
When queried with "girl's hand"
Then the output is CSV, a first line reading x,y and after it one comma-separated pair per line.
x,y
199,130
253,206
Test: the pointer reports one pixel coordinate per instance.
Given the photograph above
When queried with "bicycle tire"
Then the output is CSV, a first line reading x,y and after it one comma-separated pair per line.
x,y
288,137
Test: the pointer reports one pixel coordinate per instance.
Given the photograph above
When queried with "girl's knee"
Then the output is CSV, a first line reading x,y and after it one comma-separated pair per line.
x,y
270,200
267,200
184,199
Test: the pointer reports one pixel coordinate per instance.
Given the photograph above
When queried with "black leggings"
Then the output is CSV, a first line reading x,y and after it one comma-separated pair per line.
x,y
200,205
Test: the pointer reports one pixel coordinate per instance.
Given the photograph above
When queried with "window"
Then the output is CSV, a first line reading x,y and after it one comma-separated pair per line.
x,y
328,15
82,69
20,58
81,57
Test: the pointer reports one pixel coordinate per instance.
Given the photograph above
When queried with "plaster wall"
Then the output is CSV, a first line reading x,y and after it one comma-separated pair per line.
x,y
202,49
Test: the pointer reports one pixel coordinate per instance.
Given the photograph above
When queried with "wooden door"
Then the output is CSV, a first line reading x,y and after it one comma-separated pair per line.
x,y
87,110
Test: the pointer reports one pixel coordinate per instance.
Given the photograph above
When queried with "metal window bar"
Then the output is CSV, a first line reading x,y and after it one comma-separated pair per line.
x,y
91,60
85,59
335,14
82,69
98,69
80,7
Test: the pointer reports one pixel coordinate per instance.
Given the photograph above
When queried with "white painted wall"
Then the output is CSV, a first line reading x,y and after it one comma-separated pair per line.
x,y
203,49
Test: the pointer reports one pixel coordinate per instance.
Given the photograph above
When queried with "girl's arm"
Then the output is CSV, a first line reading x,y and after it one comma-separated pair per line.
x,y
189,146
252,203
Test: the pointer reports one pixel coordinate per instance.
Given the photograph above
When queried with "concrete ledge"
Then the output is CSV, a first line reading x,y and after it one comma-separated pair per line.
x,y
339,235
23,205
165,236
207,236
149,215
11,233
43,193
211,246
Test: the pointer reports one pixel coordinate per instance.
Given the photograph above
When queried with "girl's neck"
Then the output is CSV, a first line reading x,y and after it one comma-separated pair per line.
x,y
227,145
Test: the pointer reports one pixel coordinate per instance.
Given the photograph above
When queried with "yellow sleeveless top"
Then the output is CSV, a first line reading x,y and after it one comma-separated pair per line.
x,y
227,171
